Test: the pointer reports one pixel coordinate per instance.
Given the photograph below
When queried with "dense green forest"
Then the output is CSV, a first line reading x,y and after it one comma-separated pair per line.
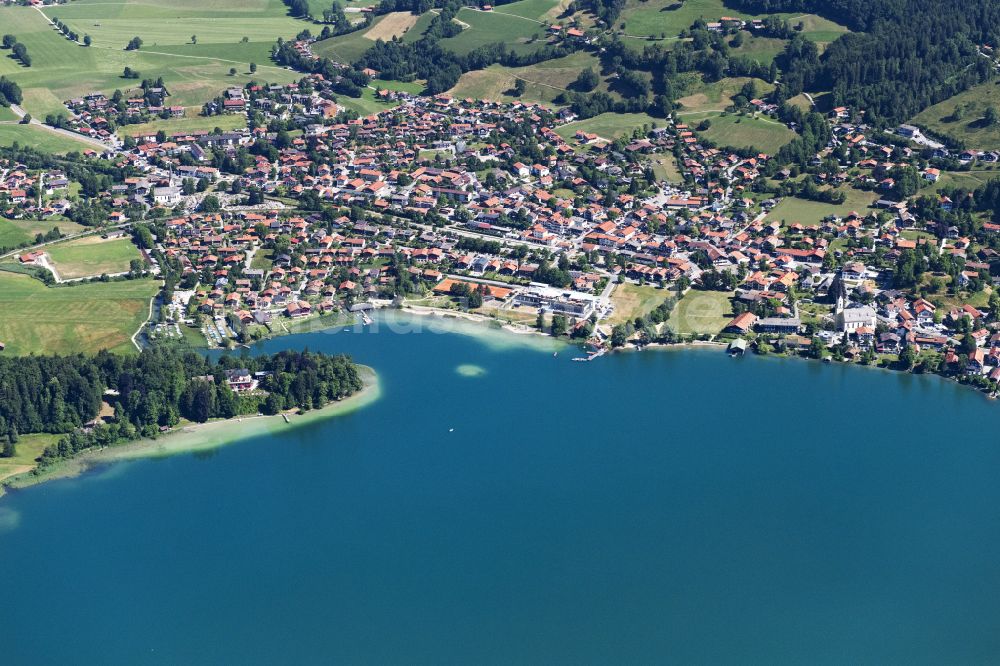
x,y
154,389
906,55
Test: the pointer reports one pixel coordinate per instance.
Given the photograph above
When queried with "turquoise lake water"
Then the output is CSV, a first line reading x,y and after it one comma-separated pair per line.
x,y
501,505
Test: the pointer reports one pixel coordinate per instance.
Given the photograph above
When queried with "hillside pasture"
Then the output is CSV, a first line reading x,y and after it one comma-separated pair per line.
x,y
765,134
544,81
609,125
716,96
967,126
520,34
192,73
811,213
66,320
393,24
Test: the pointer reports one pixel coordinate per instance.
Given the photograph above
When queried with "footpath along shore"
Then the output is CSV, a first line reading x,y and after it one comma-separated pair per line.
x,y
199,436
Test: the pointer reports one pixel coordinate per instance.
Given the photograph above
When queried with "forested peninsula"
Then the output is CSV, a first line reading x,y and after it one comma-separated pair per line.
x,y
108,399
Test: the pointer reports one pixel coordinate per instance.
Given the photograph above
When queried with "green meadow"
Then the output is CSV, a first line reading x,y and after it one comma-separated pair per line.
x,y
609,125
78,318
92,256
518,33
40,138
16,232
193,73
765,134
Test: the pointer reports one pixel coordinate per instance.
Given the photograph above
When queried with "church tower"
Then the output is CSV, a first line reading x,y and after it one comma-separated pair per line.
x,y
838,291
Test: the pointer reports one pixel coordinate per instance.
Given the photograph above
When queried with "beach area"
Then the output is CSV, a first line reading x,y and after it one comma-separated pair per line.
x,y
195,437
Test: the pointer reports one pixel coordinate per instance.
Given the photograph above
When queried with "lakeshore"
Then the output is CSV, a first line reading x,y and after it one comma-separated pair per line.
x,y
407,531
198,437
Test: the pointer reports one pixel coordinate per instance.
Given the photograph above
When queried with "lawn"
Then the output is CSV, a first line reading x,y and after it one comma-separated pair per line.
x,y
701,312
632,300
41,139
28,448
765,134
92,256
189,123
64,320
7,114
488,27
665,168
609,125
969,127
811,213
16,232
193,74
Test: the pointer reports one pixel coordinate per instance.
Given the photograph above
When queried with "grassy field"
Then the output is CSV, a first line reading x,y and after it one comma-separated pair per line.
x,y
189,123
92,256
811,213
545,80
486,27
969,129
665,167
701,312
192,73
716,96
818,29
609,125
537,10
79,318
345,48
632,300
393,24
764,134
762,49
15,232
667,18
42,139
969,180
7,114
29,447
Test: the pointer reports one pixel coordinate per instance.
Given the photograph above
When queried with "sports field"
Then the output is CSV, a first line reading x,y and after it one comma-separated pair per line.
x,y
16,232
192,73
701,312
92,256
65,320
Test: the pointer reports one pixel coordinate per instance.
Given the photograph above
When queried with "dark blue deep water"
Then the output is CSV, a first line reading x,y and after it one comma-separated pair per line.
x,y
654,507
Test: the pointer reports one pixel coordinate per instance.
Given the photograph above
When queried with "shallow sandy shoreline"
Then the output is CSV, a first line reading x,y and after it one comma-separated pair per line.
x,y
200,436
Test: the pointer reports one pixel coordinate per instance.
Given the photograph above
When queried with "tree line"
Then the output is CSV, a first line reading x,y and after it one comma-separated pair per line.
x,y
154,389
